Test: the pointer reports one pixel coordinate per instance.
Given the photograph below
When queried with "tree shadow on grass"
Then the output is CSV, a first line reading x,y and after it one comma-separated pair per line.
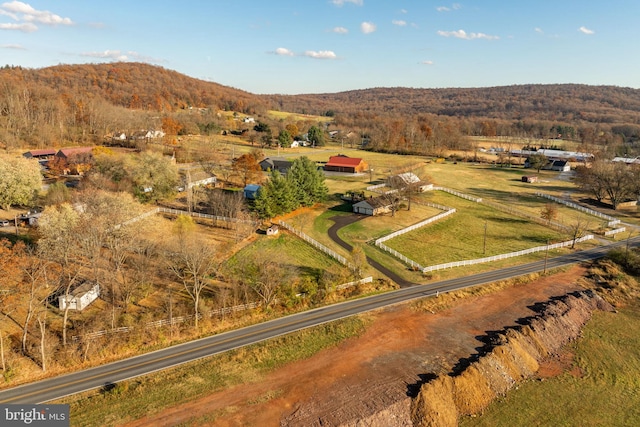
x,y
344,207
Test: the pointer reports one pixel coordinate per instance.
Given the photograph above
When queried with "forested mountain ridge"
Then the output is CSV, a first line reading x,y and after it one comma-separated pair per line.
x,y
555,102
85,103
133,85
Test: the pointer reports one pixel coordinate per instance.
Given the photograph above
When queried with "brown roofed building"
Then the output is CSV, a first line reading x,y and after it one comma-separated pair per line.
x,y
341,163
73,160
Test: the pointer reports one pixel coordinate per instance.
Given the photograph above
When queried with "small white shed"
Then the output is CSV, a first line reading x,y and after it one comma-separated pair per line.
x,y
80,297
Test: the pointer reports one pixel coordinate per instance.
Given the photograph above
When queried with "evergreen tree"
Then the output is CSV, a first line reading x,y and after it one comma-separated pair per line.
x,y
276,197
307,181
316,136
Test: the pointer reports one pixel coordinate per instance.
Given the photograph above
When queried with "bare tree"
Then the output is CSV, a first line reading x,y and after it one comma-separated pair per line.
x,y
577,229
193,262
549,212
58,243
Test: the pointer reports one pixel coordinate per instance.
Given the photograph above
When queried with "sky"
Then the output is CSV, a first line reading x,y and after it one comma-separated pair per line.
x,y
327,46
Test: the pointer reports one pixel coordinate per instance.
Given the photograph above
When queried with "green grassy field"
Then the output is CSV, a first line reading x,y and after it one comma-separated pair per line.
x,y
461,235
607,393
292,252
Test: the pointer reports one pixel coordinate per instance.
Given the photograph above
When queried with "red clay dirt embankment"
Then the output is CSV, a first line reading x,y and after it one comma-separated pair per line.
x,y
509,357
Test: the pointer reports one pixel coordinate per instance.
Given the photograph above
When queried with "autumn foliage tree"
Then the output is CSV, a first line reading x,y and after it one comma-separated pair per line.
x,y
20,179
247,168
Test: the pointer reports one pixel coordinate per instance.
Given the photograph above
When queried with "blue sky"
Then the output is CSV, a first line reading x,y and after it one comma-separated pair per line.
x,y
316,46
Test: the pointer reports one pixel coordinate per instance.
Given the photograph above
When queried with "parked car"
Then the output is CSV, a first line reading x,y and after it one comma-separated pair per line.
x,y
4,223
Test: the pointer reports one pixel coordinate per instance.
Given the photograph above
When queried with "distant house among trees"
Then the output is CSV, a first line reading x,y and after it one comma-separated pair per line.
x,y
627,160
560,166
571,156
342,163
80,297
43,155
408,180
73,160
280,164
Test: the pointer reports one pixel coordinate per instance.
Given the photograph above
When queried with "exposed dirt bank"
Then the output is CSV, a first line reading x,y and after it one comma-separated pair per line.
x,y
509,357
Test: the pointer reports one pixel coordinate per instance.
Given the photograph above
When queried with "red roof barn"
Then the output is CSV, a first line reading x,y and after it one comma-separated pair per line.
x,y
343,163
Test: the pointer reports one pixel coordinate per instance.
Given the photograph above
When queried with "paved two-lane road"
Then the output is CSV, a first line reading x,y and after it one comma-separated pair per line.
x,y
106,375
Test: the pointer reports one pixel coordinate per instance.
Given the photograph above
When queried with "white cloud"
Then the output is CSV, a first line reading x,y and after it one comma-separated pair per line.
x,y
538,30
455,6
341,3
115,55
367,27
323,54
24,12
403,11
283,51
462,34
13,46
399,22
340,30
427,62
585,30
316,54
26,27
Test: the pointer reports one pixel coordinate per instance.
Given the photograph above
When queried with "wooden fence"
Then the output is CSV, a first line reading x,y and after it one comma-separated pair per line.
x,y
173,321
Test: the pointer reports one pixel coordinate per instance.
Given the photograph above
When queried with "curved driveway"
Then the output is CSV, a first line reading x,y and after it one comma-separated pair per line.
x,y
344,220
106,375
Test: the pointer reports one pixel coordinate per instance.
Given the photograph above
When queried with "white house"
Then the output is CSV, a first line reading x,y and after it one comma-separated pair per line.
x,y
407,179
80,297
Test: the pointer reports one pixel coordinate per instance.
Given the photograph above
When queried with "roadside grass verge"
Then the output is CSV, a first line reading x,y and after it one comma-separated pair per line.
x,y
605,391
133,399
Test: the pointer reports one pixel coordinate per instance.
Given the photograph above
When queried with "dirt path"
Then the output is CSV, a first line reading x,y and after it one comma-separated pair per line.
x,y
344,220
401,348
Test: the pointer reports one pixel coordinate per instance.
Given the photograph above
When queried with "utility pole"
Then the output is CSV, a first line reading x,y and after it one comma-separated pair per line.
x,y
546,256
484,244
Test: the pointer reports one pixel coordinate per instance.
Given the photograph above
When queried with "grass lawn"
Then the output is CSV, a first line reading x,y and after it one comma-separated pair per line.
x,y
461,235
605,394
292,252
374,227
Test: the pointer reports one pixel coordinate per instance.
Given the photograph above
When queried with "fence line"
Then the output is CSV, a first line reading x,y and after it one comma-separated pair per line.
x,y
173,321
415,226
459,194
611,221
411,263
614,232
505,256
553,224
202,215
374,188
316,244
